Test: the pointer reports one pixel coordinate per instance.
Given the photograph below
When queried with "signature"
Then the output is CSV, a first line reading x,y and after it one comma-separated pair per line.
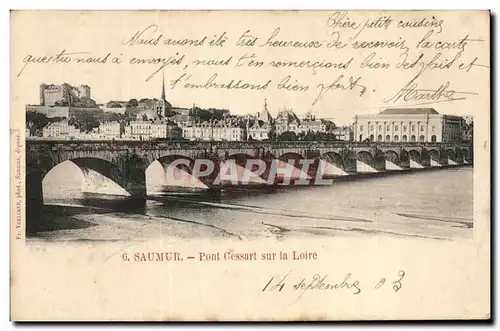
x,y
412,92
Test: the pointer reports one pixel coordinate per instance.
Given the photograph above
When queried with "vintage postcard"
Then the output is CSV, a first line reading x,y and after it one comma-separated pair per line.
x,y
250,165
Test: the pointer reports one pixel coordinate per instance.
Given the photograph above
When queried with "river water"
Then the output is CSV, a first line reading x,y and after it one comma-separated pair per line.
x,y
432,203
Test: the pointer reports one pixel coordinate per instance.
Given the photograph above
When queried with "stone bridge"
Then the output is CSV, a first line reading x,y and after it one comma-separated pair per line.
x,y
125,162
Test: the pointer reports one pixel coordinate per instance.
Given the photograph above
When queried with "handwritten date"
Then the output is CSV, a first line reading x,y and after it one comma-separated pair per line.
x,y
325,283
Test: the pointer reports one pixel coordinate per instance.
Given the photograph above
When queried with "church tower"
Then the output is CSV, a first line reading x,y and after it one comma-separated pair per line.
x,y
264,115
162,106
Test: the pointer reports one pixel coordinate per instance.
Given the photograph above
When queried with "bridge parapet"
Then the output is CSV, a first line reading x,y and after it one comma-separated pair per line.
x,y
210,145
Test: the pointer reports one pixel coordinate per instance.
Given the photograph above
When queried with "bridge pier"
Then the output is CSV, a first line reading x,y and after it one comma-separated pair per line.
x,y
34,199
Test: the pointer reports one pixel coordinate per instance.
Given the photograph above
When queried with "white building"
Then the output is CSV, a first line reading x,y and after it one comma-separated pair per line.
x,y
138,130
61,130
258,130
408,125
226,129
165,129
111,129
343,133
157,129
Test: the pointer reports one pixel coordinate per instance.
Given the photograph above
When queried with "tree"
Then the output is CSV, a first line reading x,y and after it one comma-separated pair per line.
x,y
133,103
311,136
288,136
144,117
36,121
114,104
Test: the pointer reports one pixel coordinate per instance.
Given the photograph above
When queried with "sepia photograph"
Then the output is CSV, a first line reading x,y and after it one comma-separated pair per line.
x,y
143,168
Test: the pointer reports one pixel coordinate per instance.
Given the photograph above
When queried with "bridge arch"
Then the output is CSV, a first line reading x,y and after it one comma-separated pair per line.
x,y
451,155
286,157
334,158
99,176
435,156
291,158
367,158
167,160
392,156
169,172
250,163
415,156
241,158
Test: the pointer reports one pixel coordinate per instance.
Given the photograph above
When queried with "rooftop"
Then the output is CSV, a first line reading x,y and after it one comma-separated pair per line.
x,y
393,111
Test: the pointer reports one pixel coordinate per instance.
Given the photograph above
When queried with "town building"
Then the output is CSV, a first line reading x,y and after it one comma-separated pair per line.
x,y
111,129
258,130
155,129
165,129
138,130
467,128
286,121
61,129
408,125
229,129
310,124
259,127
343,133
